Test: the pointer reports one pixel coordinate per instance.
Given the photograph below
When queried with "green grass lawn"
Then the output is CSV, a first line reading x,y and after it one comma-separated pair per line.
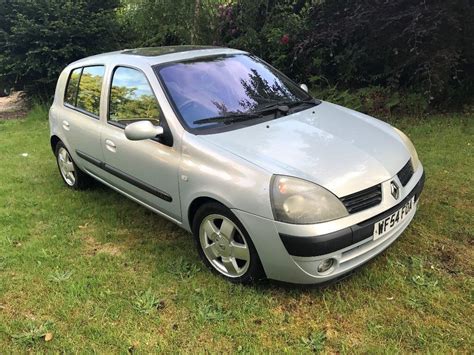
x,y
98,272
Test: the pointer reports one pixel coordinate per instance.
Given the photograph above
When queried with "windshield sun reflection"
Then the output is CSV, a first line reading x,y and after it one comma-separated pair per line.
x,y
225,85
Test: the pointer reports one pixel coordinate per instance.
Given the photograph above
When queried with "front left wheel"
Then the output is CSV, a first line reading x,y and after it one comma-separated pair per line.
x,y
224,244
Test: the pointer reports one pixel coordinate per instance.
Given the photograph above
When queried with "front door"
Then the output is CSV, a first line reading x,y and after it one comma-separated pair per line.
x,y
146,169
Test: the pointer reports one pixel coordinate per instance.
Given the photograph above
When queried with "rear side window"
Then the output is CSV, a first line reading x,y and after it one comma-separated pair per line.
x,y
131,98
87,82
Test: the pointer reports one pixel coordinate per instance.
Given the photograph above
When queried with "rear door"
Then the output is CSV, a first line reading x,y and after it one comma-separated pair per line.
x,y
146,169
80,116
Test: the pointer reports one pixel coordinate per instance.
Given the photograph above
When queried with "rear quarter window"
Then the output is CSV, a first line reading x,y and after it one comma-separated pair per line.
x,y
72,86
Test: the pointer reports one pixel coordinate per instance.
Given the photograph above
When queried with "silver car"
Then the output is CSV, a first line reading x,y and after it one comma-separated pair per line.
x,y
270,181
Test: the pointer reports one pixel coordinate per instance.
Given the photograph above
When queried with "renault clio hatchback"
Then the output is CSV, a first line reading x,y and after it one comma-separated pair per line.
x,y
270,181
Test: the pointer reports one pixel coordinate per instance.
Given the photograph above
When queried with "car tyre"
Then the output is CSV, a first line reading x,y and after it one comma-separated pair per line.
x,y
225,246
72,176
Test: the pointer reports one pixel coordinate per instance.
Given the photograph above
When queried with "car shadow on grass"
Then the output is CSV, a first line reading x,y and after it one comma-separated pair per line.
x,y
189,260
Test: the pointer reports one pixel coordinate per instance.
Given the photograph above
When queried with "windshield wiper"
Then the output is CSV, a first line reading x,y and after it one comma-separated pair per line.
x,y
232,117
229,117
285,105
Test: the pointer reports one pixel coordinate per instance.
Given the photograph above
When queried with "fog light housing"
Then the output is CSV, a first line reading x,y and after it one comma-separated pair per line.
x,y
326,265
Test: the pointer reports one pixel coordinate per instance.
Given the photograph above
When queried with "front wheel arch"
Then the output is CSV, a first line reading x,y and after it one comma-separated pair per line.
x,y
54,140
255,271
196,204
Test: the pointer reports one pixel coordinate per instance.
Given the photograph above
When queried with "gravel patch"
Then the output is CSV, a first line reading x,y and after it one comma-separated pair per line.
x,y
13,106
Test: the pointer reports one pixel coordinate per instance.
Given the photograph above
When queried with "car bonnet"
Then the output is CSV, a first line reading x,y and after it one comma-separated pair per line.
x,y
338,148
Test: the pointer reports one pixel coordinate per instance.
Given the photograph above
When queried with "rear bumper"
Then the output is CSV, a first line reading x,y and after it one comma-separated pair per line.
x,y
295,257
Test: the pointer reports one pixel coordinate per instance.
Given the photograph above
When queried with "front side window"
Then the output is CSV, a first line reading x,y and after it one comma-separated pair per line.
x,y
204,90
131,98
90,85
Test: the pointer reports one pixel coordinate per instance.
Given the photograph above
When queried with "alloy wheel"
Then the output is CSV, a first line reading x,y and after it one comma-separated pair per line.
x,y
224,245
66,166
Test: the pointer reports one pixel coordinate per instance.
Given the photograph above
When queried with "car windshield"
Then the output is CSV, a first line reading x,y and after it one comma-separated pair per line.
x,y
206,89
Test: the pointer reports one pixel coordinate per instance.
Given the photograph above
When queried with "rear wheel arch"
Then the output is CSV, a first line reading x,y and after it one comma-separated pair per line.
x,y
70,173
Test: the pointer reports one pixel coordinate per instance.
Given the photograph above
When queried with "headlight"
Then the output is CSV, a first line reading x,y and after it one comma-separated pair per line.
x,y
410,147
299,201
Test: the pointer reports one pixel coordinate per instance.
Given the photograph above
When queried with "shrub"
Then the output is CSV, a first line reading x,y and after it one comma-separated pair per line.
x,y
423,46
376,100
38,38
162,23
268,29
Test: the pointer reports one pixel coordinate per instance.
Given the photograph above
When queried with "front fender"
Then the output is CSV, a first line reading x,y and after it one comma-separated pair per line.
x,y
208,171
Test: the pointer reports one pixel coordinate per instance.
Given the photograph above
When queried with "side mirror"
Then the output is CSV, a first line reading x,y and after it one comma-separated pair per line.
x,y
304,87
140,130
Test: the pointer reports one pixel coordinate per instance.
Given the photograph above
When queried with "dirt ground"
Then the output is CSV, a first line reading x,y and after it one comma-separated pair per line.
x,y
13,106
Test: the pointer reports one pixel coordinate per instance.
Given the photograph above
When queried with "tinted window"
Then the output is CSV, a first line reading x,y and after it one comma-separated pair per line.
x,y
88,96
71,90
131,98
216,86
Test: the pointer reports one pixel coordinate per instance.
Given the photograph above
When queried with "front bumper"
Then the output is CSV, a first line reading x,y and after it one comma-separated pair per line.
x,y
331,242
293,253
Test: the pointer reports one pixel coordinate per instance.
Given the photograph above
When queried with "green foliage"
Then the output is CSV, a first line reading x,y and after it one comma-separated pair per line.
x,y
387,56
404,46
146,302
264,27
60,276
32,333
422,46
38,38
160,23
314,341
38,112
184,269
211,312
376,100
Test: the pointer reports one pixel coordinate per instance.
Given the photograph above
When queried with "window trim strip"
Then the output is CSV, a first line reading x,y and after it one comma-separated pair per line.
x,y
80,110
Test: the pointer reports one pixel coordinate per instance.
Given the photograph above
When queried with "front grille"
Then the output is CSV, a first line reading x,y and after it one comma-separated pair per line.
x,y
406,173
364,199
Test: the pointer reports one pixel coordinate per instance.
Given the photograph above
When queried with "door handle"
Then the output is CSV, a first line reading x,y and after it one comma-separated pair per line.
x,y
110,145
66,125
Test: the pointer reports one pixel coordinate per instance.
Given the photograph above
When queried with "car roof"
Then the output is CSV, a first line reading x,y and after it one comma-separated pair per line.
x,y
154,55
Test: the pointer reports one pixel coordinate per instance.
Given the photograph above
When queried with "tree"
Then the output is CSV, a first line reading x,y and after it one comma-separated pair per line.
x,y
39,38
423,46
161,23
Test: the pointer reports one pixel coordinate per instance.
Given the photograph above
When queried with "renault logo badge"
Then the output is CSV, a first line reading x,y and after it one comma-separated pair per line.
x,y
395,190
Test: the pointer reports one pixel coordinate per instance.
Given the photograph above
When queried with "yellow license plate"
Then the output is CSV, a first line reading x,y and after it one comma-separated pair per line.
x,y
391,222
